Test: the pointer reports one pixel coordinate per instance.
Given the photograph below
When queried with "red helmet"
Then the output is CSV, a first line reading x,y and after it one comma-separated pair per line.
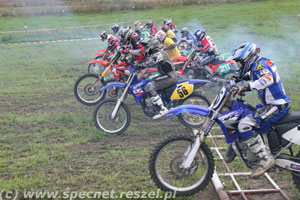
x,y
165,28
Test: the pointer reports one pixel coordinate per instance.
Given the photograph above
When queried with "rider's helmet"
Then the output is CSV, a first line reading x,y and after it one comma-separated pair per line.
x,y
184,31
149,43
115,28
103,35
137,23
169,23
165,21
149,24
246,54
199,34
139,29
125,34
160,36
165,28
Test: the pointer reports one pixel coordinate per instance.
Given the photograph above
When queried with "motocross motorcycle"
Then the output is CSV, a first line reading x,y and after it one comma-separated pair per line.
x,y
87,87
102,54
189,67
113,116
188,166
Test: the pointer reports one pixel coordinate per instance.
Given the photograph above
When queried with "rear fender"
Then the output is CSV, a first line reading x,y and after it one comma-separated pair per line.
x,y
103,62
115,84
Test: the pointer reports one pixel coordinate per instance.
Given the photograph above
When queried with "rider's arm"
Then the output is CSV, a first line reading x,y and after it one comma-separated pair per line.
x,y
138,48
266,79
169,44
205,44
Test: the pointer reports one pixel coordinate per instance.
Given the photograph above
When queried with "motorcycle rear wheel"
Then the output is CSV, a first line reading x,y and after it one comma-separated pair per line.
x,y
166,171
189,119
296,176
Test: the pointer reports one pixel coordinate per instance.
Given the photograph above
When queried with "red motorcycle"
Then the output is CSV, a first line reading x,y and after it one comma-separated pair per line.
x,y
188,67
87,87
102,54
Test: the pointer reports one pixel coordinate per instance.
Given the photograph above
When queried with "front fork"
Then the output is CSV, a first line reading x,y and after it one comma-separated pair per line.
x,y
120,100
200,136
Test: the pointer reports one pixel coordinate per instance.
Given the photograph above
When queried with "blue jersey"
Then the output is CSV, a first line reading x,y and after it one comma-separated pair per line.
x,y
190,36
266,80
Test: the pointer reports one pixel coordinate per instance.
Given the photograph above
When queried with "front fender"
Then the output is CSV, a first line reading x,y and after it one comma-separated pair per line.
x,y
195,109
101,50
97,54
103,62
115,84
195,81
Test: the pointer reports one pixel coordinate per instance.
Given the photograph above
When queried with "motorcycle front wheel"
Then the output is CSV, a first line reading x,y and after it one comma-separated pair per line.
x,y
189,119
87,89
165,166
105,122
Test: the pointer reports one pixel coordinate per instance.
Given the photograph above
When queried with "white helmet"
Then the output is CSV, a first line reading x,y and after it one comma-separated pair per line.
x,y
160,35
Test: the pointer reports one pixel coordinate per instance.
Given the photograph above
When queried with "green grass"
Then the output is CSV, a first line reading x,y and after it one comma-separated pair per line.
x,y
48,140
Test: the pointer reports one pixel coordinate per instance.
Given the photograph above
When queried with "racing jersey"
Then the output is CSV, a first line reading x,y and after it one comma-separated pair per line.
x,y
112,42
190,40
153,30
172,52
265,79
137,48
209,45
171,34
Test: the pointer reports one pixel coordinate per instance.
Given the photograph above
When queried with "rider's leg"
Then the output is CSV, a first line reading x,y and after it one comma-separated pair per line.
x,y
156,99
255,145
160,83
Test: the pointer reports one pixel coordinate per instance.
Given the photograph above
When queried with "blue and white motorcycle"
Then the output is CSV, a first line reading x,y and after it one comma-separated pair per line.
x,y
113,116
184,164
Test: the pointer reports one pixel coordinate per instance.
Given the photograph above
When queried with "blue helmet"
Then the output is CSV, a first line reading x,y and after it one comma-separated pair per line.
x,y
246,54
115,28
199,34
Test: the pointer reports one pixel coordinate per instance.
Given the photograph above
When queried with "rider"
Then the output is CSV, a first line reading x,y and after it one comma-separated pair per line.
x,y
150,25
169,45
264,78
171,25
115,29
167,77
131,40
188,38
112,41
206,45
169,32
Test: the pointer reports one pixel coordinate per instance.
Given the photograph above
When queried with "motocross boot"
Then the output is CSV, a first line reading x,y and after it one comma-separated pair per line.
x,y
257,146
156,100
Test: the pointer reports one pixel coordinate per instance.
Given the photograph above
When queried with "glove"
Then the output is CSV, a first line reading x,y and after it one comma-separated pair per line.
x,y
125,51
242,90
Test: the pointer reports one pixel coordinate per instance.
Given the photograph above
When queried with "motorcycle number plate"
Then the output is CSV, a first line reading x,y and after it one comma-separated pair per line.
x,y
224,68
182,91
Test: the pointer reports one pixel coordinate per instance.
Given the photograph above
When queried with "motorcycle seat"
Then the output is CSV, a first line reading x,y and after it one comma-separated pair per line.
x,y
291,116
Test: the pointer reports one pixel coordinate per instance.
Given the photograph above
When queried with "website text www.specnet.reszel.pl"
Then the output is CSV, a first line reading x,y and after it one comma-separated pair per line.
x,y
70,195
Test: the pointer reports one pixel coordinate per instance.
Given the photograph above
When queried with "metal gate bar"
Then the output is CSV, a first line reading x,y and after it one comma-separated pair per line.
x,y
223,195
